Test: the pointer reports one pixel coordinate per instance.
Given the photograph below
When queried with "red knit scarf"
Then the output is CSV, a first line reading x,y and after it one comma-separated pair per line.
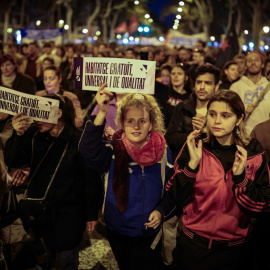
x,y
149,155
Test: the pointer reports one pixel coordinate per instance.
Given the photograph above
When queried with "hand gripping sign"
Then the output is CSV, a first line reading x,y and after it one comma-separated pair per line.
x,y
38,108
121,75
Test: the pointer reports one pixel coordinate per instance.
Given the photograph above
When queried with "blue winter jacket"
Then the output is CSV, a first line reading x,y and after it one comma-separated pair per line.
x,y
145,186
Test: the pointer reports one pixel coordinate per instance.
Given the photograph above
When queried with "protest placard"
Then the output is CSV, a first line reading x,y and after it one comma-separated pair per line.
x,y
176,38
38,108
121,75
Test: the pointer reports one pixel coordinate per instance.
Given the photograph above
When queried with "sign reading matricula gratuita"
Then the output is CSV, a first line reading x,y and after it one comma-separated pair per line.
x,y
38,108
122,75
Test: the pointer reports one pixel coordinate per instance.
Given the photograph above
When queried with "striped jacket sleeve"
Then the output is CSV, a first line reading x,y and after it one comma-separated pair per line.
x,y
252,189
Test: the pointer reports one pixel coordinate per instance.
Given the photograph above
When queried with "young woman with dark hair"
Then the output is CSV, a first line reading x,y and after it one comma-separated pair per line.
x,y
221,183
10,77
52,78
51,150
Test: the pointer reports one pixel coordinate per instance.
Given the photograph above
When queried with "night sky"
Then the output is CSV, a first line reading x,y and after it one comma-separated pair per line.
x,y
156,7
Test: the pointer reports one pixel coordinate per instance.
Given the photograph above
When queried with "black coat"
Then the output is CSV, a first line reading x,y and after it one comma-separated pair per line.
x,y
23,83
181,124
74,193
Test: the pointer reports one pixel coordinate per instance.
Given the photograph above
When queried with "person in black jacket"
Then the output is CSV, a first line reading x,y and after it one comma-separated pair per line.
x,y
190,114
176,93
228,75
12,78
73,195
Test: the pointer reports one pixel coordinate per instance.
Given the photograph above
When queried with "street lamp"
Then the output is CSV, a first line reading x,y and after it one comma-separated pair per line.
x,y
136,2
66,27
140,29
161,39
181,3
125,41
178,17
246,32
266,29
146,16
38,22
85,31
251,45
146,29
179,9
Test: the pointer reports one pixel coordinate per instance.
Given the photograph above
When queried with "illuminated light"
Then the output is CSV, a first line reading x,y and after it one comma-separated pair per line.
x,y
266,47
161,39
266,29
181,3
137,39
251,44
131,38
246,32
146,16
118,36
150,20
136,2
18,36
146,29
178,17
175,27
212,38
85,31
9,30
140,29
95,38
125,41
38,22
177,24
98,33
179,9
176,21
61,22
66,27
215,44
244,47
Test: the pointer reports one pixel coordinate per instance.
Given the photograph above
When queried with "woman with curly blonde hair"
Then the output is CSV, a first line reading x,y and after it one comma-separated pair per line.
x,y
145,101
135,163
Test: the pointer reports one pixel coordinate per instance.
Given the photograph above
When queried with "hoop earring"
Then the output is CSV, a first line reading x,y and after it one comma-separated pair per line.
x,y
148,137
238,133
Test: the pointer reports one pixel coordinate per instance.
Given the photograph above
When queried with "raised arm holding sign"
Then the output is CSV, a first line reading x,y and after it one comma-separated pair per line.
x,y
121,75
38,108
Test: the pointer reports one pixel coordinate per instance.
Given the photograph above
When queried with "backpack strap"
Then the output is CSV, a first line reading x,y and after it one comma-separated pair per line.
x,y
164,161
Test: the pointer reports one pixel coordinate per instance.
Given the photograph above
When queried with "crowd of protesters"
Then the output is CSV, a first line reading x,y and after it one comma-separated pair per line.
x,y
211,123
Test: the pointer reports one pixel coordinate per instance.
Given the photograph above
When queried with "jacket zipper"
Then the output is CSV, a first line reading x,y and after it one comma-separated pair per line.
x,y
143,179
225,179
218,211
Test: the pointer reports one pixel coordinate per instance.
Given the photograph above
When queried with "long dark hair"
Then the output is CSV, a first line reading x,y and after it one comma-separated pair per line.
x,y
66,105
8,57
223,76
237,106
